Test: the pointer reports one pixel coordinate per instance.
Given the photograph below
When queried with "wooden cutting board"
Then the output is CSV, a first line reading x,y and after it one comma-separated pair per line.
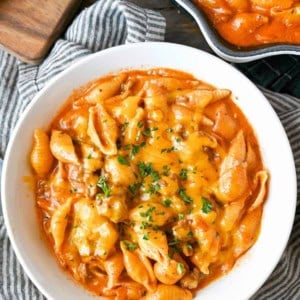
x,y
28,28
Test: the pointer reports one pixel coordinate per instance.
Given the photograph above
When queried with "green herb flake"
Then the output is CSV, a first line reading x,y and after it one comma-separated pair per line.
x,y
135,149
147,212
145,169
168,150
154,188
147,132
89,156
133,188
178,140
122,160
144,225
169,130
190,234
206,205
167,202
155,175
102,184
166,170
146,236
180,268
184,197
183,174
130,246
140,124
180,216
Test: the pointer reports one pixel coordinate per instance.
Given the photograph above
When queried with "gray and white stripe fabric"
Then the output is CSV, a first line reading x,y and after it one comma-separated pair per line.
x,y
106,24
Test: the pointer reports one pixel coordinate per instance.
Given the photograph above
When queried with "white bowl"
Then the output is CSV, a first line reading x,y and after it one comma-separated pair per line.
x,y
19,210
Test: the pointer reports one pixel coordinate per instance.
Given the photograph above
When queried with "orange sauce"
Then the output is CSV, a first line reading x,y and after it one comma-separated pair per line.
x,y
169,184
248,23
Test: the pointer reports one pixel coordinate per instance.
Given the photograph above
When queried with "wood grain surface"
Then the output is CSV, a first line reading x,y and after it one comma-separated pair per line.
x,y
28,28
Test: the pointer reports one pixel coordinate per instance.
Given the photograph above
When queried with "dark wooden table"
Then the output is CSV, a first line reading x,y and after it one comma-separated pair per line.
x,y
180,29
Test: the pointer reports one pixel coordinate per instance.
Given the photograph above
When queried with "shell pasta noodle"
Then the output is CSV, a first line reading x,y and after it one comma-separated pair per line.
x,y
149,184
248,23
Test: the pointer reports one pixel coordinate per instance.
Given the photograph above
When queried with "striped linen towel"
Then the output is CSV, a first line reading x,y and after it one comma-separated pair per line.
x,y
109,23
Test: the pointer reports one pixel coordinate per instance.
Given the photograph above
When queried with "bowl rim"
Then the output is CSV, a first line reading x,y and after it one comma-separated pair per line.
x,y
77,64
228,51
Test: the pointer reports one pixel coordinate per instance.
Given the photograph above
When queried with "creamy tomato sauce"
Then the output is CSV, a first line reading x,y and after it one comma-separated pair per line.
x,y
248,23
150,184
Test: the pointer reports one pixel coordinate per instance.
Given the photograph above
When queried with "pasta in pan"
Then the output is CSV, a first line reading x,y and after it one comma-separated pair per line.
x,y
149,184
254,22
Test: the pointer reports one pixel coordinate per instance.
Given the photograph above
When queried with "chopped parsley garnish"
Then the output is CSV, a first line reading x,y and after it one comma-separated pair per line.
x,y
135,149
206,205
178,140
102,184
145,169
183,174
184,196
166,170
154,188
144,225
89,156
155,175
134,187
180,268
167,202
169,130
125,125
130,246
147,132
140,124
73,190
168,150
122,160
180,216
190,234
146,236
147,212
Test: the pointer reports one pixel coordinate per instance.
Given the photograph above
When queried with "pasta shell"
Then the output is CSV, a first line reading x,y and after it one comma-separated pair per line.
x,y
261,179
62,147
59,223
102,130
41,157
153,244
288,16
245,236
239,5
170,271
170,292
105,90
113,266
224,125
248,22
138,267
273,3
233,182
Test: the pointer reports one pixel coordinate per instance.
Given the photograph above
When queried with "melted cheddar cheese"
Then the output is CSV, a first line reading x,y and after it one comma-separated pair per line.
x,y
150,184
